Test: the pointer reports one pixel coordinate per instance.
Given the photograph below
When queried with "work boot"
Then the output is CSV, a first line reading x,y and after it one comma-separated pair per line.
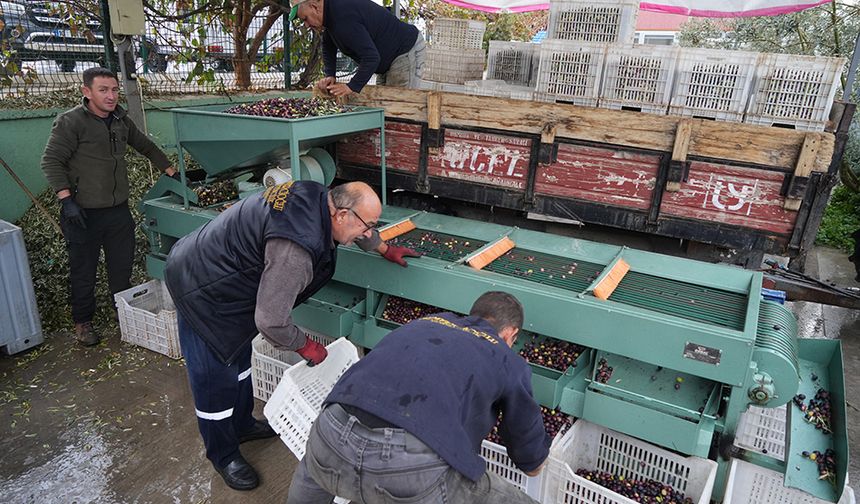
x,y
86,334
239,475
260,430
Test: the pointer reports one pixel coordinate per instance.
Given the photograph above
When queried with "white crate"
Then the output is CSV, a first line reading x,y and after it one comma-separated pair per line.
x,y
609,21
762,430
147,318
268,365
298,398
453,66
499,89
594,448
571,71
500,464
752,484
712,83
513,62
441,86
638,77
794,91
457,33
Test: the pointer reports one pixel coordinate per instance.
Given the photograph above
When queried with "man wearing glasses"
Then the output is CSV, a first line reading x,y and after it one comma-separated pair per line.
x,y
242,273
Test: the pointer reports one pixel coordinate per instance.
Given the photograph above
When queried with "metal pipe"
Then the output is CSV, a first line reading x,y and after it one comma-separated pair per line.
x,y
852,71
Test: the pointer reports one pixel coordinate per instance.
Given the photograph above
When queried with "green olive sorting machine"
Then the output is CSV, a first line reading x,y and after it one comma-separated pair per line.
x,y
670,320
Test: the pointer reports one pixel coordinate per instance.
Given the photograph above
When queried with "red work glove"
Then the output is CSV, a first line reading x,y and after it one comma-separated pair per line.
x,y
313,352
396,254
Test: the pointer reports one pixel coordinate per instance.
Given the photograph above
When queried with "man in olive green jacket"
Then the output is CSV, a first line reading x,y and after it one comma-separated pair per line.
x,y
84,164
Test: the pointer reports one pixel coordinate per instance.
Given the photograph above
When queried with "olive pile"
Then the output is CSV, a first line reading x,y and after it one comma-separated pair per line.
x,y
604,371
645,491
288,108
817,411
551,353
216,192
437,245
401,310
553,421
826,463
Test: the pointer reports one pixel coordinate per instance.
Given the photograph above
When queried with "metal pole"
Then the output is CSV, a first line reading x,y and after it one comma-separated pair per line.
x,y
129,83
288,41
852,71
397,9
108,43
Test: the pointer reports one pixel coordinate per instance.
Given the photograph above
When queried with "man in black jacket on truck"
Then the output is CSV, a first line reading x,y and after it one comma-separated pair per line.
x,y
84,162
368,34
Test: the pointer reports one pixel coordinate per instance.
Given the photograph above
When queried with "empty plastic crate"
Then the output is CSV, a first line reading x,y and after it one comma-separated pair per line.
x,y
512,62
457,33
297,400
609,21
147,318
500,464
594,448
571,71
638,78
712,83
752,484
441,86
794,91
20,327
453,66
268,365
762,430
499,89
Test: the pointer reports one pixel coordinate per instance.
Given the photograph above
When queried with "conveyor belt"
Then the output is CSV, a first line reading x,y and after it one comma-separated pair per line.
x,y
661,295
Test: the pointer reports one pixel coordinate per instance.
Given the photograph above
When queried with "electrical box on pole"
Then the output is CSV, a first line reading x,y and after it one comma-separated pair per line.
x,y
126,17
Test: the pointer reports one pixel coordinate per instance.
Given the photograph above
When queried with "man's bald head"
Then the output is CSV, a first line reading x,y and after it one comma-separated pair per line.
x,y
355,210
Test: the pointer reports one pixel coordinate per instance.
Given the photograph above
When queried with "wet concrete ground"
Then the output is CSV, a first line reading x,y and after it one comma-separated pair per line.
x,y
116,424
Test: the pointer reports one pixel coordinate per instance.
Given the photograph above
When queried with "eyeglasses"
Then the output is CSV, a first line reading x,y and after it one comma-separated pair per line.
x,y
367,226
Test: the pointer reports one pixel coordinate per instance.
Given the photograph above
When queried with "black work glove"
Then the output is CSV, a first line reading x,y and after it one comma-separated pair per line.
x,y
73,212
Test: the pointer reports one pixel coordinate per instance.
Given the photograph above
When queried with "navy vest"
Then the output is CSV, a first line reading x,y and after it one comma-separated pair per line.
x,y
213,273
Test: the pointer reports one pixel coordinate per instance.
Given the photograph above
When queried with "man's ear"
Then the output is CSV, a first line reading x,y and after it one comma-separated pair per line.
x,y
509,334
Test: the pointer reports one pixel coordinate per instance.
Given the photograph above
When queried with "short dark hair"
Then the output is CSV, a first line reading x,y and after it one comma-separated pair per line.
x,y
346,196
91,73
500,309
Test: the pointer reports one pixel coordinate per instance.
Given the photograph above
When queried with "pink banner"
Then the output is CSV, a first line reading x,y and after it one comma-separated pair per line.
x,y
696,8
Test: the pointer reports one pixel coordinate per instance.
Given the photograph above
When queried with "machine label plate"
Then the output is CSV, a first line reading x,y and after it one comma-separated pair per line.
x,y
701,353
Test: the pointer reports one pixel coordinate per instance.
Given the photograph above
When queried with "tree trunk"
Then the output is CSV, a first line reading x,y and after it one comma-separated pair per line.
x,y
311,70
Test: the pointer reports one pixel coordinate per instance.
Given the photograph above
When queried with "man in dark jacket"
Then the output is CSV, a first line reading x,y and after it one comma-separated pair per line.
x,y
368,34
405,423
243,273
84,162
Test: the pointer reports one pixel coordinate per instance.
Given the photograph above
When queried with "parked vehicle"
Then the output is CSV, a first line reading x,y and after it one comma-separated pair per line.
x,y
33,31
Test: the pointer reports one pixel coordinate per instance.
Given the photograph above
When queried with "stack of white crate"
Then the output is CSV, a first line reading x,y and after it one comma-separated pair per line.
x,y
572,57
763,430
794,91
455,54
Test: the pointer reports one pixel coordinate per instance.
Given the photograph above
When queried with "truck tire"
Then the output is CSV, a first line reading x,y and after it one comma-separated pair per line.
x,y
66,66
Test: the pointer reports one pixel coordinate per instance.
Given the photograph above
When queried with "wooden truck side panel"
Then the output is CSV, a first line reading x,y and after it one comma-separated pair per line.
x,y
616,177
722,194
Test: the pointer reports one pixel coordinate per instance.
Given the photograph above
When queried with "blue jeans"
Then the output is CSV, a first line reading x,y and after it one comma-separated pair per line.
x,y
371,466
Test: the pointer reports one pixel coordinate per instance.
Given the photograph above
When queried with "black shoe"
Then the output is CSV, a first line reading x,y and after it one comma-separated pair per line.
x,y
86,334
260,430
239,475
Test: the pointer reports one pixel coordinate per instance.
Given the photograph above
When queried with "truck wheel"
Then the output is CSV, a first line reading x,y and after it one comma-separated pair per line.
x,y
66,66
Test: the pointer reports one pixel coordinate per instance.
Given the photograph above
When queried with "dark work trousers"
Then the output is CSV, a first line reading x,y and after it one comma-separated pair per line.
x,y
111,229
223,398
